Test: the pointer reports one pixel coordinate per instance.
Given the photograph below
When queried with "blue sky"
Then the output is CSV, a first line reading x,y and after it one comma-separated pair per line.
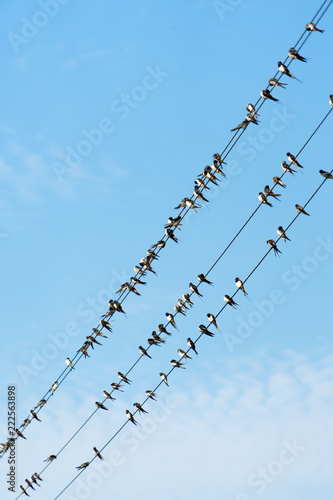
x,y
155,88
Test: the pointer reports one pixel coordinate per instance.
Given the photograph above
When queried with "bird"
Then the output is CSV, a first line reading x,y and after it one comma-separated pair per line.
x,y
137,281
183,354
203,279
151,395
182,303
212,319
84,349
203,329
159,244
275,83
97,453
215,166
19,433
143,351
250,117
201,183
187,298
287,168
117,306
278,181
177,364
194,289
251,109
171,319
325,174
25,422
124,378
164,378
105,324
240,285
210,176
272,244
54,387
179,309
198,194
229,300
282,234
92,340
34,478
152,341
98,333
262,198
243,124
301,209
162,329
29,484
283,69
34,415
293,54
116,386
139,408
174,222
157,337
313,27
69,364
191,345
40,404
130,417
265,94
292,160
83,466
331,100
101,406
50,458
23,491
169,233
268,192
107,395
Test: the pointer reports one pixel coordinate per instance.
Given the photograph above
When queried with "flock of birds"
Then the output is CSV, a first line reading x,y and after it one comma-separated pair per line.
x,y
209,175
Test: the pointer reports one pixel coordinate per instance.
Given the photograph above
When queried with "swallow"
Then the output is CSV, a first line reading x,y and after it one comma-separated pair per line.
x,y
179,309
198,194
201,183
130,417
151,395
210,176
98,333
272,244
182,204
107,395
187,298
194,289
152,341
139,408
269,192
105,324
203,329
25,422
230,301
143,351
265,94
19,433
157,337
122,287
262,198
331,100
218,158
183,304
177,364
293,54
137,281
174,222
284,70
292,160
37,476
242,125
183,354
169,234
162,329
240,285
278,181
92,340
34,415
34,480
50,458
124,378
251,109
275,83
217,169
287,168
97,453
117,306
313,27
192,205
132,288
116,386
325,174
301,210
23,491
171,319
164,378
212,319
282,234
101,406
191,345
251,118
29,484
84,349
83,466
54,387
139,270
202,279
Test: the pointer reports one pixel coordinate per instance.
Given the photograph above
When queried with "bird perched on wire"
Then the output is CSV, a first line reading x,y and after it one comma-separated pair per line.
x,y
278,181
169,233
285,71
174,222
124,378
331,100
242,125
194,289
251,109
116,386
301,209
97,453
151,395
292,160
177,364
143,351
130,417
171,319
23,491
203,329
272,244
262,198
34,415
29,484
69,364
183,354
101,406
54,387
162,329
164,378
187,298
273,82
83,466
107,395
313,27
229,300
198,194
325,174
203,279
157,337
282,234
269,192
50,458
287,168
179,309
240,285
105,324
139,408
212,319
265,94
293,54
191,345
159,244
98,333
